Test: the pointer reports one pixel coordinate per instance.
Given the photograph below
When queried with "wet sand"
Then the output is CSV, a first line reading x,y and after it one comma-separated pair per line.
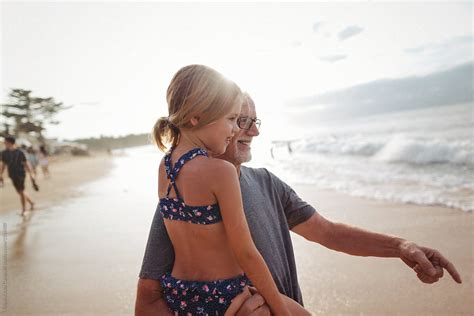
x,y
66,172
338,284
81,255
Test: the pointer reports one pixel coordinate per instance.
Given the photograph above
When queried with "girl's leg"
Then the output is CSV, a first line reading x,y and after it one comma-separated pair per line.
x,y
45,171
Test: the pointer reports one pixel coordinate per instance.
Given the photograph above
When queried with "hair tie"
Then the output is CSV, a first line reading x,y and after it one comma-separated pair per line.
x,y
171,125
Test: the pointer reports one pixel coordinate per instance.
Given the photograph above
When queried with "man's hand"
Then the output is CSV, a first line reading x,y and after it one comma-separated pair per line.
x,y
255,305
427,263
150,300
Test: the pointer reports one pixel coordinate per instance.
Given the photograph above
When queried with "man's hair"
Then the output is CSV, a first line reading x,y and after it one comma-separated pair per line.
x,y
10,139
248,99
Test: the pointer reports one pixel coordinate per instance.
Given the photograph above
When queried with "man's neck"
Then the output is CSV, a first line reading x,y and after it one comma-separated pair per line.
x,y
238,170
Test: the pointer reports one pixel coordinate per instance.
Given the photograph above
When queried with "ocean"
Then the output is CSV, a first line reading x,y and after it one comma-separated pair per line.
x,y
422,156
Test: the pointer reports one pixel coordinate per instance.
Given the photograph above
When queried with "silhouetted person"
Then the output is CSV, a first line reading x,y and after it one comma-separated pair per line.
x,y
43,161
17,165
32,158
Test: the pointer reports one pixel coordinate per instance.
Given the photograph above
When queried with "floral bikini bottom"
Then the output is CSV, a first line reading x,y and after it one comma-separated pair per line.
x,y
201,297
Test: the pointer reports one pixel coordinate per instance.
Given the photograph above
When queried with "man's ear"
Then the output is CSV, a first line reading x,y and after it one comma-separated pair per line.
x,y
195,121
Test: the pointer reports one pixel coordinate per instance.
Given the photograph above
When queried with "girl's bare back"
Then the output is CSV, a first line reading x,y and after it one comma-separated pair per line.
x,y
201,251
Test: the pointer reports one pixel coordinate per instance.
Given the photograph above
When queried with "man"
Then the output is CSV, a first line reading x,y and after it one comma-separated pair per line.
x,y
16,161
272,209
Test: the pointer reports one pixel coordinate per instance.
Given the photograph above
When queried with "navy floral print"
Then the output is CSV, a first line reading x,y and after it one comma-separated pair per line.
x,y
175,208
201,297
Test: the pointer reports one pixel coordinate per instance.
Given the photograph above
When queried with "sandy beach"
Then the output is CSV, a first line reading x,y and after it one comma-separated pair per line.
x,y
80,252
337,284
66,173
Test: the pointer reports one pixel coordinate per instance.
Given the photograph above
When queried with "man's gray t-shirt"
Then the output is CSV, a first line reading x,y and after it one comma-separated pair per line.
x,y
271,207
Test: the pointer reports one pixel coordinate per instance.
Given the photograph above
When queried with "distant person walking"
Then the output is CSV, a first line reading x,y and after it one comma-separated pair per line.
x,y
15,160
32,158
43,161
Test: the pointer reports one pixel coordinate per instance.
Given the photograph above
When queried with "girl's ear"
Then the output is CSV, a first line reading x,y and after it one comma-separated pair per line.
x,y
195,121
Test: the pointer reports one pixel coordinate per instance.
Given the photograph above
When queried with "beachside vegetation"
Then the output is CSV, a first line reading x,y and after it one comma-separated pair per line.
x,y
27,114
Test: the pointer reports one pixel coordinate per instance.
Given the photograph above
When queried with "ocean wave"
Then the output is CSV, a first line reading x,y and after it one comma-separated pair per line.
x,y
443,184
396,148
423,151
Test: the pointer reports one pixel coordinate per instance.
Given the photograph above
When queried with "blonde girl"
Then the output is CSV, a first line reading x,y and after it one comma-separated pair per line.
x,y
200,200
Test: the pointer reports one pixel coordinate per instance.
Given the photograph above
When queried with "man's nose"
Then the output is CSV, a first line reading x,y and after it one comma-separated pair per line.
x,y
253,130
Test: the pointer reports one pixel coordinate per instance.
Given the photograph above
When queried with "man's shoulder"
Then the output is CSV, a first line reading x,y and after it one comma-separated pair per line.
x,y
259,174
254,172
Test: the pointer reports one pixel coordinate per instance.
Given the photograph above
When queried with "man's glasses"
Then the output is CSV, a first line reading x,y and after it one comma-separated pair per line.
x,y
246,122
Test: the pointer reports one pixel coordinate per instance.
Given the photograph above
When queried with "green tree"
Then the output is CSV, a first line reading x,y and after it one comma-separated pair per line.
x,y
28,114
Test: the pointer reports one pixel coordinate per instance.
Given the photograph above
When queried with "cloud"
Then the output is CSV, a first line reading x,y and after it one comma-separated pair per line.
x,y
333,58
435,47
317,26
452,86
349,31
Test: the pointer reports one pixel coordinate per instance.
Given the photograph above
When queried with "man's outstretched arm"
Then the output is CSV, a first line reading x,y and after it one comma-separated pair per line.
x,y
428,263
150,299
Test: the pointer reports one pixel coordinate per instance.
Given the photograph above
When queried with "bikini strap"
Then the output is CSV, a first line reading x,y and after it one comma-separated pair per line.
x,y
172,172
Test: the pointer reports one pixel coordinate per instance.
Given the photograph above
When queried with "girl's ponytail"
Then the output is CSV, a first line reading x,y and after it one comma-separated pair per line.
x,y
164,133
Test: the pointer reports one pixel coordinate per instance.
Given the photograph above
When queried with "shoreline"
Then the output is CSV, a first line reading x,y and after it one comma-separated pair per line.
x,y
66,173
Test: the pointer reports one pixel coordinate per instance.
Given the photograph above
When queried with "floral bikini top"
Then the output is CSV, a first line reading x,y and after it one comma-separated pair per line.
x,y
175,208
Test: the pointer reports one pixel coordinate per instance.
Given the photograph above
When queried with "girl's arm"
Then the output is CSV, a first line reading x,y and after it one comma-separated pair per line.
x,y
227,190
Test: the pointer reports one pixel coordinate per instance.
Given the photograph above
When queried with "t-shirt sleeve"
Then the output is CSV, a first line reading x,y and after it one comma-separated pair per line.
x,y
159,252
297,210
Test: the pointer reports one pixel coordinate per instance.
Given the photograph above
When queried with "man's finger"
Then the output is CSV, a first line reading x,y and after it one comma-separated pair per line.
x,y
424,263
423,276
445,263
253,290
426,278
263,310
237,302
251,305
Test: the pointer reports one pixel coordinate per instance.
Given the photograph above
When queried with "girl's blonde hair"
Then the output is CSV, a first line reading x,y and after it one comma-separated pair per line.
x,y
195,91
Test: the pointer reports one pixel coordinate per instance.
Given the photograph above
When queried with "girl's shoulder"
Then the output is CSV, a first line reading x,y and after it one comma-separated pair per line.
x,y
201,166
219,173
208,165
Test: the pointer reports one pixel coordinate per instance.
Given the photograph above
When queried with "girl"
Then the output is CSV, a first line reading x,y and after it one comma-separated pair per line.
x,y
43,161
200,201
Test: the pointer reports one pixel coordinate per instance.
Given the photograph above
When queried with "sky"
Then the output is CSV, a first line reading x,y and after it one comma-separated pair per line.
x,y
114,60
